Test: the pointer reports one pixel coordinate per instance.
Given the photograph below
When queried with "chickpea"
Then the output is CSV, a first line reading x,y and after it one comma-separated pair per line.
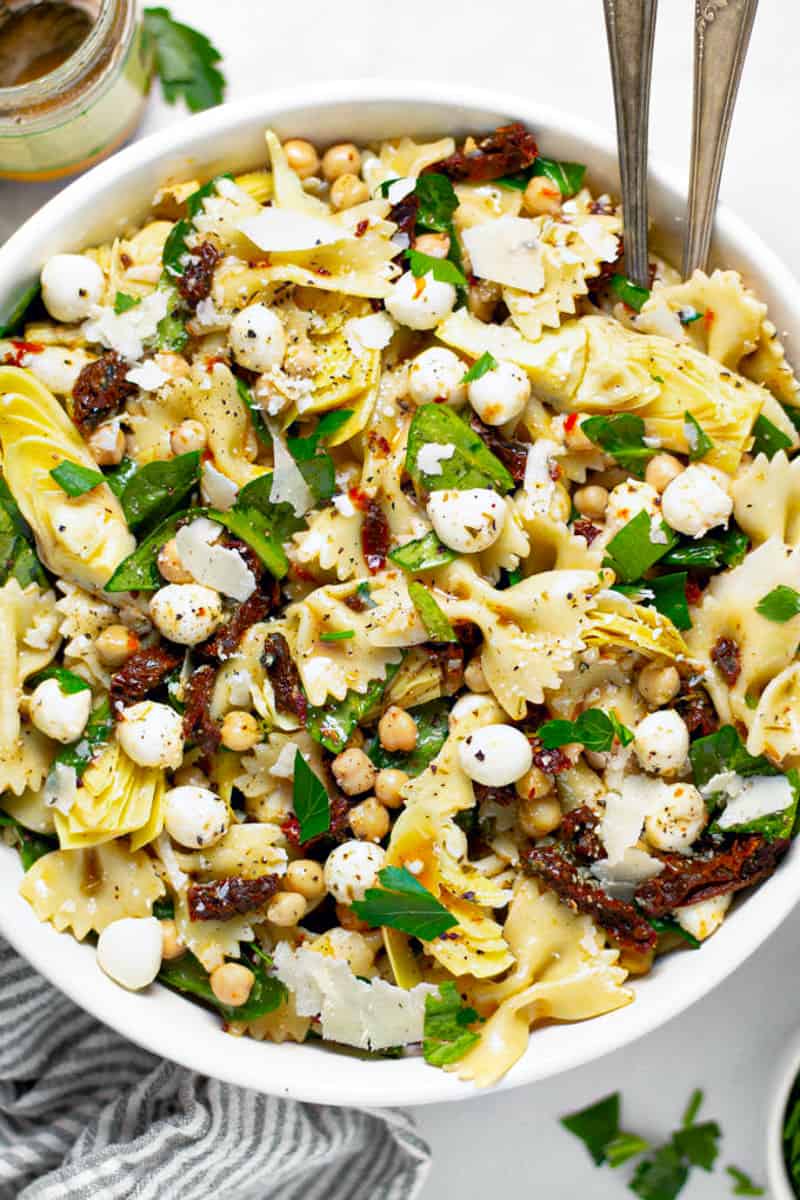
x,y
170,566
301,157
389,784
369,820
541,196
661,470
534,784
358,950
437,245
353,771
482,299
658,684
107,445
189,435
190,776
305,877
115,644
474,677
574,436
342,159
397,730
287,908
232,983
539,817
348,919
172,946
347,191
240,730
591,501
174,365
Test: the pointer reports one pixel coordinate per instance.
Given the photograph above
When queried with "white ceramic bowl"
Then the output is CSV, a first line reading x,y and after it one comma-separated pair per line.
x,y
97,206
780,1187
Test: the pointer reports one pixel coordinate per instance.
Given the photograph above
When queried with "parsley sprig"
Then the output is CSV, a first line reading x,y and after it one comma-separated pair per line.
x,y
594,729
185,61
401,902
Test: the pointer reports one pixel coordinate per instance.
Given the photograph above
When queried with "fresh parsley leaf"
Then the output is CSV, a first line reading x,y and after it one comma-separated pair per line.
x,y
487,362
667,925
661,1177
632,552
597,1126
74,479
337,635
68,681
256,415
437,202
624,1147
629,292
743,1184
567,176
779,605
768,439
594,729
154,491
472,465
447,1036
431,615
699,1144
97,733
697,439
423,554
15,318
725,751
442,269
311,802
123,302
331,724
185,61
187,975
401,902
431,720
710,553
621,436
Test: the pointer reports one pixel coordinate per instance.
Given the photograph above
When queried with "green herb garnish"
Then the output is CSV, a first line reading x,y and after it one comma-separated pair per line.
x,y
331,724
311,802
442,269
667,925
98,731
337,635
401,902
431,615
431,720
472,465
187,975
710,553
597,1126
17,556
666,593
447,1036
256,415
567,176
594,729
629,292
633,550
621,436
15,318
779,605
423,554
697,439
68,681
123,302
768,439
487,362
185,61
76,480
743,1185
303,449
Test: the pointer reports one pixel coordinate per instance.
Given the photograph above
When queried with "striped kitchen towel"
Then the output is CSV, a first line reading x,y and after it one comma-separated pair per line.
x,y
84,1113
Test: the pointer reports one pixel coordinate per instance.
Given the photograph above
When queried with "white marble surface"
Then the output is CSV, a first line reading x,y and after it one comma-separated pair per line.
x,y
509,1143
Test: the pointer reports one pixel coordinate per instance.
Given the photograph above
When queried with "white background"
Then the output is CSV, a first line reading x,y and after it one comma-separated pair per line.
x,y
509,1144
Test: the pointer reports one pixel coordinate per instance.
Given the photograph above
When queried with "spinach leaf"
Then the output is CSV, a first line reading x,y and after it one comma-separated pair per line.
x,y
331,724
187,975
709,553
621,436
437,202
119,477
281,519
157,489
14,319
567,176
431,615
431,720
472,464
139,572
256,415
768,439
319,473
74,479
97,733
17,556
667,925
629,292
253,528
725,751
632,551
697,439
666,593
423,554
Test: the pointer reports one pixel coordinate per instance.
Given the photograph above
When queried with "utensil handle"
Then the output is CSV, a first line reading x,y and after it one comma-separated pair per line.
x,y
630,26
721,36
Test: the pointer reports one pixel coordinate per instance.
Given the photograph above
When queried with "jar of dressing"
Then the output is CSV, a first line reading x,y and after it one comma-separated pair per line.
x,y
74,76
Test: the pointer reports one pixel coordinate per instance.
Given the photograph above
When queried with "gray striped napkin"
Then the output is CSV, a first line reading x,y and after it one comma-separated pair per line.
x,y
84,1113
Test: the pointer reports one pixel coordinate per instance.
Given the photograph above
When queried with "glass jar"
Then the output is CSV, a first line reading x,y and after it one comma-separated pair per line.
x,y
84,109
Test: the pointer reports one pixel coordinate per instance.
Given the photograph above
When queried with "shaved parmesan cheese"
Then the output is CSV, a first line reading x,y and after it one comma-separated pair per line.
x,y
537,483
215,566
598,238
369,333
148,376
288,485
283,767
344,506
760,796
217,490
61,788
634,867
626,812
705,917
507,251
372,1016
127,332
430,456
282,229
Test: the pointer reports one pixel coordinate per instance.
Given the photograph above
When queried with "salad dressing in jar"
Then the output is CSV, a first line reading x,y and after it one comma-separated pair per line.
x,y
74,76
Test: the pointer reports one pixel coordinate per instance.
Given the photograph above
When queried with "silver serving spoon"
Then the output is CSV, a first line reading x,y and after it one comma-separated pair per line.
x,y
630,26
721,37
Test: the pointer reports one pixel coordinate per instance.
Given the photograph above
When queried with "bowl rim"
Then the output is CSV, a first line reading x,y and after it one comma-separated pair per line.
x,y
349,1082
787,1072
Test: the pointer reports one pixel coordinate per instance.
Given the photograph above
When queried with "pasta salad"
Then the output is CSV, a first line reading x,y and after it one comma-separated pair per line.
x,y
399,607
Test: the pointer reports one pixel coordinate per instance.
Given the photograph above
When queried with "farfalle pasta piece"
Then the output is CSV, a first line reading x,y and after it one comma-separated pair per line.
x,y
729,316
403,158
282,1025
85,890
29,639
766,498
115,797
24,765
79,538
266,775
212,941
249,850
216,403
768,366
151,417
134,264
331,544
562,972
775,727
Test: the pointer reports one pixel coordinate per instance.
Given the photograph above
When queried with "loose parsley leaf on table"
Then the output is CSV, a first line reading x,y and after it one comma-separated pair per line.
x,y
597,1126
594,729
447,1036
779,605
401,902
185,61
743,1184
621,436
311,802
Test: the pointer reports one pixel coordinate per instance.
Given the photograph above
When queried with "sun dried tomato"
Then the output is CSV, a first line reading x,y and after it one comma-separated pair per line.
x,y
17,356
143,672
698,712
587,530
224,898
374,537
512,454
404,215
507,151
194,284
742,862
552,762
100,389
199,726
620,920
497,795
337,831
225,641
578,831
727,658
284,676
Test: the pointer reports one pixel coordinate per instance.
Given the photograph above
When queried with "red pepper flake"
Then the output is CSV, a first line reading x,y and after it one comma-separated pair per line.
x,y
257,263
375,537
378,444
709,316
586,529
21,349
361,228
693,591
571,422
358,499
419,287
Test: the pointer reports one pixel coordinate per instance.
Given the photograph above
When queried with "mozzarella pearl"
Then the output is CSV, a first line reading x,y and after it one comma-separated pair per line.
x,y
697,500
467,521
352,868
60,715
420,303
626,501
71,285
151,735
501,394
661,742
680,820
129,951
705,917
257,338
195,816
57,368
436,375
496,755
186,613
